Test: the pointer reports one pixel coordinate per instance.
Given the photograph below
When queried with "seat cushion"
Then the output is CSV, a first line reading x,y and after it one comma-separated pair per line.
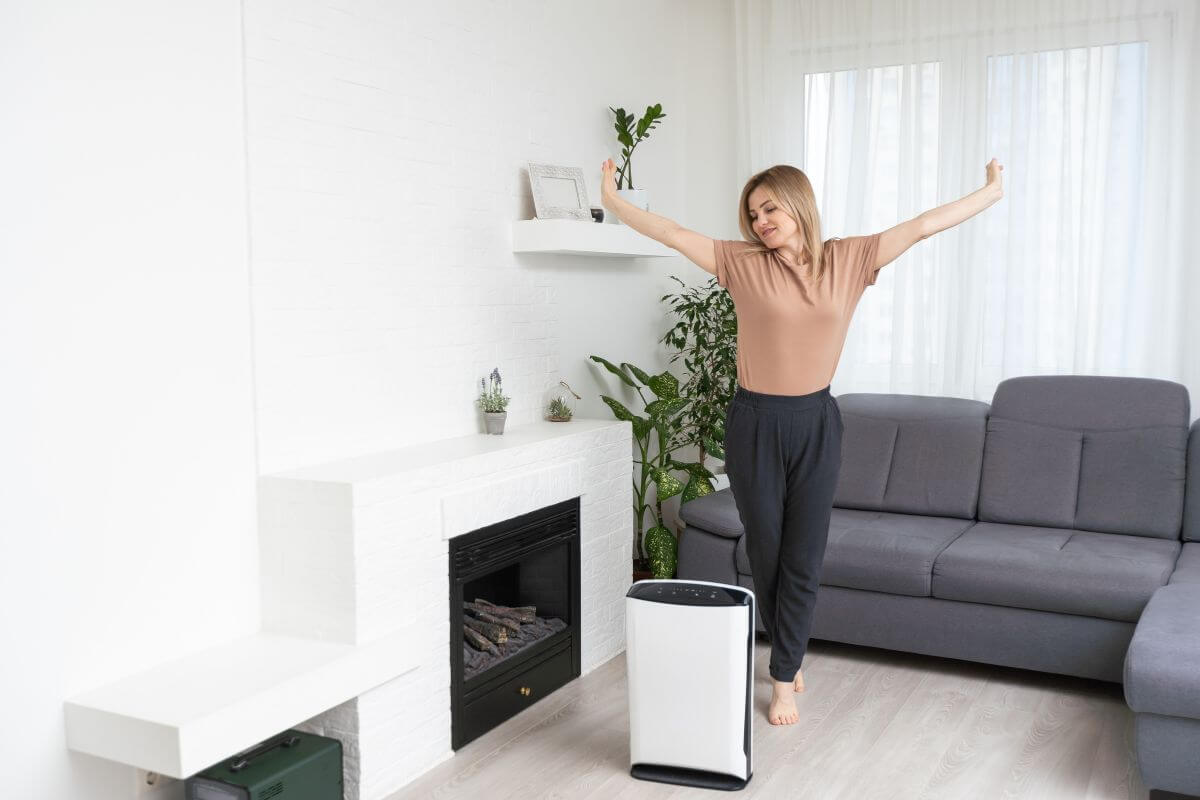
x,y
1105,575
880,552
886,552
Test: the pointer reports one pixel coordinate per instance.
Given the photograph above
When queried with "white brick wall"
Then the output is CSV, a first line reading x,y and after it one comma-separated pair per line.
x,y
387,145
368,538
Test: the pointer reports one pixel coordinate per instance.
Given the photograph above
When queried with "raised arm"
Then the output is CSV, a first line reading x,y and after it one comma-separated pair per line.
x,y
698,248
894,241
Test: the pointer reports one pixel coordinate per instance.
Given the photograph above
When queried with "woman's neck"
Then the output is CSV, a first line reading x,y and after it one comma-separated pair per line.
x,y
792,251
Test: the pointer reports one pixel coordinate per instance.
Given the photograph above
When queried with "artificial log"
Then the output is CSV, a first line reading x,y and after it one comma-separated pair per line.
x,y
484,613
519,613
479,641
497,633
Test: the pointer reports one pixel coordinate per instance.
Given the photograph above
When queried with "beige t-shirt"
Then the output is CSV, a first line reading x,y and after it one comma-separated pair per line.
x,y
790,330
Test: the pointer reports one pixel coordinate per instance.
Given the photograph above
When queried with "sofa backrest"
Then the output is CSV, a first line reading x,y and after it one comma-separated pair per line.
x,y
911,454
1191,505
1096,453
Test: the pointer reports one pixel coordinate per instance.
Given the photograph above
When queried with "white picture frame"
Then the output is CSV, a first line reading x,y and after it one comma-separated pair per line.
x,y
559,192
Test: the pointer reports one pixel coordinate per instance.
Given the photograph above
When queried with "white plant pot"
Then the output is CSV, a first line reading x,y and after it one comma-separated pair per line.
x,y
638,197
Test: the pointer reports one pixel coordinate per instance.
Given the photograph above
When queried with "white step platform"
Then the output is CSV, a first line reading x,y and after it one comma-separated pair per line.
x,y
575,237
185,715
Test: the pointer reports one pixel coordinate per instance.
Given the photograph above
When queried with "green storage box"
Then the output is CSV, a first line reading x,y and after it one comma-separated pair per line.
x,y
290,766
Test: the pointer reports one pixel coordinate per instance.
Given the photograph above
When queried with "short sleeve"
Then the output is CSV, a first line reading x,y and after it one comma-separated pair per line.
x,y
724,259
865,253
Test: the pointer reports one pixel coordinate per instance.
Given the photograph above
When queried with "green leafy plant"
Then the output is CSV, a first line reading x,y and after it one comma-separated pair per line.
x,y
491,396
625,135
659,425
559,408
705,338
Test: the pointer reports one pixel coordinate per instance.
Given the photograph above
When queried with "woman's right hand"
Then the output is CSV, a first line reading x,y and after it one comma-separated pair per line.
x,y
608,185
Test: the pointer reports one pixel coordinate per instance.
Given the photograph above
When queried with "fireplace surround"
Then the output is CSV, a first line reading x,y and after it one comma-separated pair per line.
x,y
358,549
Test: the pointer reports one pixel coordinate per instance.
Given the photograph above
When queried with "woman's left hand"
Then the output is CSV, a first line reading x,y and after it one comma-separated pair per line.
x,y
994,168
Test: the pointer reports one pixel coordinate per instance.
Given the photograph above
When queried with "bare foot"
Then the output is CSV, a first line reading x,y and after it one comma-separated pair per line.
x,y
798,684
783,707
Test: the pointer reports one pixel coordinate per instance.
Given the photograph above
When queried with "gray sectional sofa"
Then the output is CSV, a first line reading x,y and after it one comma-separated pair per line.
x,y
1055,529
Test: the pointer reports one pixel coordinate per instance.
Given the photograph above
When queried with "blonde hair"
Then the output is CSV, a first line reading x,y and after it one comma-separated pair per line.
x,y
791,189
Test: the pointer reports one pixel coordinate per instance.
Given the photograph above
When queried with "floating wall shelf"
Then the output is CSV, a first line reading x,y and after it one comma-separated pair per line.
x,y
574,237
186,715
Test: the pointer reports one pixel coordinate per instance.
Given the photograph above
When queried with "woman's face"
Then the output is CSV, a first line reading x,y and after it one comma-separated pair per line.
x,y
769,220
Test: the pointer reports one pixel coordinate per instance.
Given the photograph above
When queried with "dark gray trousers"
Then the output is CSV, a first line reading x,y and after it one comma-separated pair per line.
x,y
782,455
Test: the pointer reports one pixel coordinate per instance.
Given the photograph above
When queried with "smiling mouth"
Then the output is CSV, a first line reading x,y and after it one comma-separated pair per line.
x,y
769,232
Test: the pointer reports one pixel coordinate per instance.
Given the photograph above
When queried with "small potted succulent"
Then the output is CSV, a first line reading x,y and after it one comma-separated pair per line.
x,y
493,402
559,408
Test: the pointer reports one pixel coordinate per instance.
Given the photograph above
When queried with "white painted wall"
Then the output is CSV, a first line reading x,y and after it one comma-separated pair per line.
x,y
386,145
387,149
126,414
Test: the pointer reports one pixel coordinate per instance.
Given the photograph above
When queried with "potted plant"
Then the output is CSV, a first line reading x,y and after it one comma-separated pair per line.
x,y
639,197
658,549
705,337
493,402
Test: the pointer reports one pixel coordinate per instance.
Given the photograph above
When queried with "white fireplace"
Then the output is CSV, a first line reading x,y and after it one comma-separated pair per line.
x,y
355,551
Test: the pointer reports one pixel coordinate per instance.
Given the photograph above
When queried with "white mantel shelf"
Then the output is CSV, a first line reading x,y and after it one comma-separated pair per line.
x,y
575,237
390,463
186,715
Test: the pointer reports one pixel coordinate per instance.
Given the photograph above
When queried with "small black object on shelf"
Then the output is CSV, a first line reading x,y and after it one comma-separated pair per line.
x,y
597,214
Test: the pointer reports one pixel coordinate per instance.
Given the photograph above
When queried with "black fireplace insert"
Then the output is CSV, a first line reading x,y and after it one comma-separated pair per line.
x,y
514,616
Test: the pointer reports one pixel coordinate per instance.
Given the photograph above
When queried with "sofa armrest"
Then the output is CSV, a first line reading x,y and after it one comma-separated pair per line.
x,y
716,513
1162,665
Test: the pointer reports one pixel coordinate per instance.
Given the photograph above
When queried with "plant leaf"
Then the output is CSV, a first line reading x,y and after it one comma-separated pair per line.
x,y
663,551
641,374
614,370
668,485
713,447
664,385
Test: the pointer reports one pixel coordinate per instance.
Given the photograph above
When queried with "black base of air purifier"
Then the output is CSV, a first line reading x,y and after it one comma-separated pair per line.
x,y
689,777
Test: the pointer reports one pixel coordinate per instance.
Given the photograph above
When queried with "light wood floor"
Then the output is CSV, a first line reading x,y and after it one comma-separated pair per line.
x,y
873,724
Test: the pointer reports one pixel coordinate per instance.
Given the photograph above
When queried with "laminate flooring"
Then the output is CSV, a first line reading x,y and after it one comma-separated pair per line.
x,y
873,724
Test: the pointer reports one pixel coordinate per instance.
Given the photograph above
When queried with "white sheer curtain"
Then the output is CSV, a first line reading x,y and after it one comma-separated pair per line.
x,y
1088,265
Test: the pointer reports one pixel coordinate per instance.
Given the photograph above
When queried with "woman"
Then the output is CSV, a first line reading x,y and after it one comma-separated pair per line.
x,y
794,295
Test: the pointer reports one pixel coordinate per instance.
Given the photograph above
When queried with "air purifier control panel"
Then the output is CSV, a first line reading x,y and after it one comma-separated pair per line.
x,y
691,593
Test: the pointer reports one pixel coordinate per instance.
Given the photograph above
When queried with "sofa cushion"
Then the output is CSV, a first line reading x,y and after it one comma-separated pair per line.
x,y
1030,474
716,513
1103,575
1098,453
1187,568
878,551
885,552
910,454
1160,665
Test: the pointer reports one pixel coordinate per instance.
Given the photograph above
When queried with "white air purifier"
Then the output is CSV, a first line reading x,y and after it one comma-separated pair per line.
x,y
689,657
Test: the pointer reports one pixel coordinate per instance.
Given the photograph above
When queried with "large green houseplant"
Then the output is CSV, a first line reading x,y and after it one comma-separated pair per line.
x,y
657,426
705,337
